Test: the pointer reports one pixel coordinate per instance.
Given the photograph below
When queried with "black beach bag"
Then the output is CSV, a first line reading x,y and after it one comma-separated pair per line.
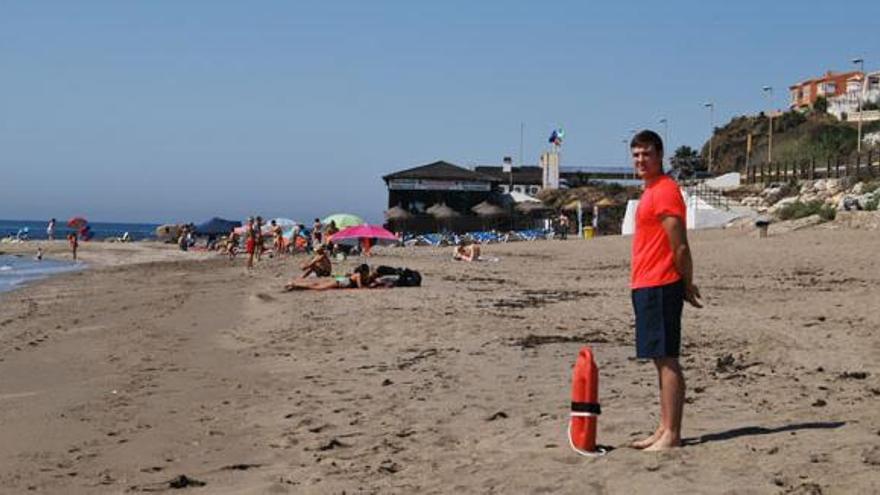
x,y
403,277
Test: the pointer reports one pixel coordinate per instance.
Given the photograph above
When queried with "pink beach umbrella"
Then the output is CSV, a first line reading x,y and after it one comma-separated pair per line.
x,y
352,235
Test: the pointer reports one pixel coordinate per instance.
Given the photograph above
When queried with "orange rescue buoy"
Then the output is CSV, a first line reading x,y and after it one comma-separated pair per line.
x,y
585,408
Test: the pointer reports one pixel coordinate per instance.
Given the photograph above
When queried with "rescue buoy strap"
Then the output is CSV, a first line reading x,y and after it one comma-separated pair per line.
x,y
586,407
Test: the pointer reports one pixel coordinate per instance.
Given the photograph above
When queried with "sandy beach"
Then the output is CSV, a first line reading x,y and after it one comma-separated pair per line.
x,y
155,364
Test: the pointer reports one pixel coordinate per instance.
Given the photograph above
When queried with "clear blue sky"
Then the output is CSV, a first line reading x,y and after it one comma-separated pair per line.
x,y
179,110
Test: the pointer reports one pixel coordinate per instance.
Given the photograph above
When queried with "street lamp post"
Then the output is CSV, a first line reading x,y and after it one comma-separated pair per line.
x,y
666,138
711,107
768,90
632,132
861,63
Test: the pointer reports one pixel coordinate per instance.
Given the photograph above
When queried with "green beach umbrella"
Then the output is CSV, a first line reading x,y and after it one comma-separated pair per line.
x,y
343,220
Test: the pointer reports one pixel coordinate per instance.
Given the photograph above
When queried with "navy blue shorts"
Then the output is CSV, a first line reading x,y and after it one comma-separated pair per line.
x,y
658,320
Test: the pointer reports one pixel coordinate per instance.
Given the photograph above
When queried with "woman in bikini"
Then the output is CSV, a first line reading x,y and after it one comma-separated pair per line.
x,y
361,278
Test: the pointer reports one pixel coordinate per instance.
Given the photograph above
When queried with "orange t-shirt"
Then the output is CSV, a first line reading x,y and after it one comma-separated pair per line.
x,y
652,262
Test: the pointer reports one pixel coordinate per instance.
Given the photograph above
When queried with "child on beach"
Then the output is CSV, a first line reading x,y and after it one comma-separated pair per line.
x,y
74,244
39,256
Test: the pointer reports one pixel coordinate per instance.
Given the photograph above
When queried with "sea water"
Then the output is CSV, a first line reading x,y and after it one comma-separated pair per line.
x,y
17,270
100,230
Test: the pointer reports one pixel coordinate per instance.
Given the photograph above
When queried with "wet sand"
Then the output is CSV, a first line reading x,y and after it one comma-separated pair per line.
x,y
157,364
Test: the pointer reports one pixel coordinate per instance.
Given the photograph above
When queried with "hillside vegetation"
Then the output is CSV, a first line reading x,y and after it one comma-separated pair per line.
x,y
796,136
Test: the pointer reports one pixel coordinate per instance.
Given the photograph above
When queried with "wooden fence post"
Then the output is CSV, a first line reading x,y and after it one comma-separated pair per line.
x,y
812,167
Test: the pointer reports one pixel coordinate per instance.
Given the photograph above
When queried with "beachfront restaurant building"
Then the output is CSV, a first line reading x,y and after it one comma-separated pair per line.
x,y
440,183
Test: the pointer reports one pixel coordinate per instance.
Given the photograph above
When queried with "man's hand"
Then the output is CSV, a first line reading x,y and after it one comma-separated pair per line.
x,y
692,295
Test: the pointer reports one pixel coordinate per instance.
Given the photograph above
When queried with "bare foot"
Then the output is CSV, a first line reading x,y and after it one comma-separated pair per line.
x,y
647,442
666,441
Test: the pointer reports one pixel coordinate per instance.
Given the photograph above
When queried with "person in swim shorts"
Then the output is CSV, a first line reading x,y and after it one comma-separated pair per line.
x,y
661,281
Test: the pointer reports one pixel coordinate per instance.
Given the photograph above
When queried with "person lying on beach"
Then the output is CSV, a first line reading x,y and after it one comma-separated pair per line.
x,y
466,252
320,265
361,278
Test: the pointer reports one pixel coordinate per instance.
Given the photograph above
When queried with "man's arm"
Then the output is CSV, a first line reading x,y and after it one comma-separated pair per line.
x,y
681,254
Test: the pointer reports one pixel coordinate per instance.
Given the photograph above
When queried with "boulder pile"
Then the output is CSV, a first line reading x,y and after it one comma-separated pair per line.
x,y
843,194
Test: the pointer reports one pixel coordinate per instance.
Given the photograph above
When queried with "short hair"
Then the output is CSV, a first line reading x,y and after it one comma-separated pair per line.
x,y
647,138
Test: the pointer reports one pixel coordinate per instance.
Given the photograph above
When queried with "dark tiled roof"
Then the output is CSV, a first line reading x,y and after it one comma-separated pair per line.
x,y
527,174
439,171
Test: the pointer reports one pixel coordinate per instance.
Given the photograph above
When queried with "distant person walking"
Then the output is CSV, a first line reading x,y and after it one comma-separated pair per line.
x,y
277,237
329,232
258,238
661,281
182,242
50,230
74,244
564,225
317,229
250,241
232,244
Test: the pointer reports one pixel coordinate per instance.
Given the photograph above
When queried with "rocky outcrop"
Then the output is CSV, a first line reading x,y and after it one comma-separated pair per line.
x,y
842,194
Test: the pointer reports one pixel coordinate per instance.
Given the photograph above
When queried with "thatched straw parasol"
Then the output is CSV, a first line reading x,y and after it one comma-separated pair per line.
x,y
531,207
442,212
397,214
488,210
605,202
572,205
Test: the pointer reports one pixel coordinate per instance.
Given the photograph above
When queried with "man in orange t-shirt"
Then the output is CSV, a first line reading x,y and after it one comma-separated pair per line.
x,y
661,281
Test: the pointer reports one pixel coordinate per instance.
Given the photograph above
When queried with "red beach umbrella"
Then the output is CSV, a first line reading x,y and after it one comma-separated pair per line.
x,y
352,235
77,222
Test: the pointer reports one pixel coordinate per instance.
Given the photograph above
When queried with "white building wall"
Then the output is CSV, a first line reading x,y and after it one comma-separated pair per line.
x,y
848,103
700,215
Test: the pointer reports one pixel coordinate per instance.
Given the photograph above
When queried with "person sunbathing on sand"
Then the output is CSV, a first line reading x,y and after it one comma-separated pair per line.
x,y
361,278
320,265
466,252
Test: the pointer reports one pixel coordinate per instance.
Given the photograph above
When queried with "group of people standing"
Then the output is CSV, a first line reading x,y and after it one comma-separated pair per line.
x,y
255,234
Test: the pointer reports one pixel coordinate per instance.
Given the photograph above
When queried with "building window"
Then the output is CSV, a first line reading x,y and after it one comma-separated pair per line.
x,y
518,189
533,190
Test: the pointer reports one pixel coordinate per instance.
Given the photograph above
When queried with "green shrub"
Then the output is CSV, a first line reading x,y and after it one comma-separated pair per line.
x,y
871,205
800,209
870,187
